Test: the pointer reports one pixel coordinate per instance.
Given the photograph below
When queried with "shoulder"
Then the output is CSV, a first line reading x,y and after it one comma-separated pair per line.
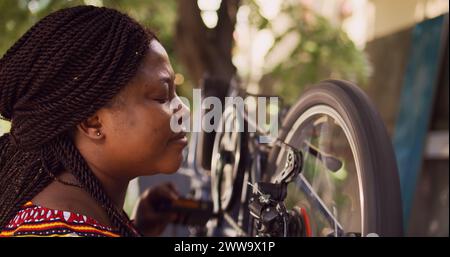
x,y
59,197
34,220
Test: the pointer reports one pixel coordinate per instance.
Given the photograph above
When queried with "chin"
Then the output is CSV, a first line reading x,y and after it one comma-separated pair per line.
x,y
169,163
169,171
172,167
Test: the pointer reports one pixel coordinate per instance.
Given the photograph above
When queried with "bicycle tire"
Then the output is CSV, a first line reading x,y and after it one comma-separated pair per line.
x,y
379,175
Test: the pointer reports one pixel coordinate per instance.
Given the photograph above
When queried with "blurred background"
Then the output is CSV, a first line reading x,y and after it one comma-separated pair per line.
x,y
397,51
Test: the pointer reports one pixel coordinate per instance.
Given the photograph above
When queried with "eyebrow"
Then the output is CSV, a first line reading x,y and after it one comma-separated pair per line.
x,y
168,80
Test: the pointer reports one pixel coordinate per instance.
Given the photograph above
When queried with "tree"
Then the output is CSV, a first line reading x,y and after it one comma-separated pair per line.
x,y
204,50
307,48
197,51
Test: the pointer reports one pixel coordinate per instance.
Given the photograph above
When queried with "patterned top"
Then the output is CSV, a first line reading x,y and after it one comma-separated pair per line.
x,y
34,220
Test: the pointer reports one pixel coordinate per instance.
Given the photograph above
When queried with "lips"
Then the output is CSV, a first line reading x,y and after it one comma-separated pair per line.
x,y
180,135
180,138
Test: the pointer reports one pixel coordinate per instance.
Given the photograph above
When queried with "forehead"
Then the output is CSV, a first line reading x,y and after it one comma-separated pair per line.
x,y
156,61
155,64
154,69
158,50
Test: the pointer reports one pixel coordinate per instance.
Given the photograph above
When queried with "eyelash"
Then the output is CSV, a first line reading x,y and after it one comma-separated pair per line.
x,y
162,101
165,100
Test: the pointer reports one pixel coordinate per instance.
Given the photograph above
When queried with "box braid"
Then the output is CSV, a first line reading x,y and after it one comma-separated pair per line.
x,y
60,72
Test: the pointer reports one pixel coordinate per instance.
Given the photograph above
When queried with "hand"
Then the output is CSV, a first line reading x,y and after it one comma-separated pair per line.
x,y
148,221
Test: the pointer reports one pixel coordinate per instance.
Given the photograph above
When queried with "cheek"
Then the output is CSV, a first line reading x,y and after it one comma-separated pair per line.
x,y
140,142
147,130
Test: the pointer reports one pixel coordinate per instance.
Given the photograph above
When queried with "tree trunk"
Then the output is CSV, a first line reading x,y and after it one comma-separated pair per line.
x,y
206,54
204,51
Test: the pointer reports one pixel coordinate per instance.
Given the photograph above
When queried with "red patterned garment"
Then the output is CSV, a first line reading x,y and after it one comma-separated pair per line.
x,y
33,220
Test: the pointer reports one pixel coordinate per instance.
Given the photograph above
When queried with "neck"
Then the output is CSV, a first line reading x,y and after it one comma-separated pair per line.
x,y
115,188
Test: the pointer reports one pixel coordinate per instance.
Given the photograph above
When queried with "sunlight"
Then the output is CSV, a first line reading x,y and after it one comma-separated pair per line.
x,y
208,13
269,8
98,3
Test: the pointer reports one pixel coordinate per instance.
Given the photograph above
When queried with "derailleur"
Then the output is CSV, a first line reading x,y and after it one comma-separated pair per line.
x,y
266,202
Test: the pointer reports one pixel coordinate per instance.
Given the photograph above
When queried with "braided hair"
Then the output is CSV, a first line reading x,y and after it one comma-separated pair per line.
x,y
60,72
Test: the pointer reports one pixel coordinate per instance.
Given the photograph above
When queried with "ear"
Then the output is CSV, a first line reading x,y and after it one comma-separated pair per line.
x,y
91,127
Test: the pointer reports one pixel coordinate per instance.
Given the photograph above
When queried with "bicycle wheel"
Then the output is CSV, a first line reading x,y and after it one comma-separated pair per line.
x,y
227,163
349,184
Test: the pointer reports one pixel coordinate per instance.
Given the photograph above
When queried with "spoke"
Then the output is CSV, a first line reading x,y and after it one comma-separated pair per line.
x,y
331,162
315,199
234,224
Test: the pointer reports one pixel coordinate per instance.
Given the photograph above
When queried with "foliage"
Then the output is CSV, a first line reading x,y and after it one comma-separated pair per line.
x,y
322,51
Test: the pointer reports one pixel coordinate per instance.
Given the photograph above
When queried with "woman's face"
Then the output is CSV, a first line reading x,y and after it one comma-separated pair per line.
x,y
136,135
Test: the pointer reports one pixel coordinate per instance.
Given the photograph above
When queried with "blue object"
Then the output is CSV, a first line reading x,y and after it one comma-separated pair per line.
x,y
416,102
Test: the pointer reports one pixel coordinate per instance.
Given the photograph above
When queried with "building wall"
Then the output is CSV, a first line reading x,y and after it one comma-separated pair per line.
x,y
367,20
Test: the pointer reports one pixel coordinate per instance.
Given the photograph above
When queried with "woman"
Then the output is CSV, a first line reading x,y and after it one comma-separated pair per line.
x,y
88,92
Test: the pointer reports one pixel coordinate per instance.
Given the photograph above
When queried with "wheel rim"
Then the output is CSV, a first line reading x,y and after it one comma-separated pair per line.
x,y
334,199
225,162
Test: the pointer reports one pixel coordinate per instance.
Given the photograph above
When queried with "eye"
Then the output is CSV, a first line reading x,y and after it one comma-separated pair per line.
x,y
162,101
163,96
163,93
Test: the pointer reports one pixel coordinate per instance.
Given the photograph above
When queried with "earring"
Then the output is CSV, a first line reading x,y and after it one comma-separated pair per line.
x,y
98,133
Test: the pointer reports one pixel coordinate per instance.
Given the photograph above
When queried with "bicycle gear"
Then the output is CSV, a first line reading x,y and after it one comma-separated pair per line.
x,y
266,203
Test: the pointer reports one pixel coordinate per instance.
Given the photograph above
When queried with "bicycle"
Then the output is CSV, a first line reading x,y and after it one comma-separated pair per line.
x,y
330,172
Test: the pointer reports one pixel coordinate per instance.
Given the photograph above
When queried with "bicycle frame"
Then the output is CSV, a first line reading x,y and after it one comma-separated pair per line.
x,y
254,172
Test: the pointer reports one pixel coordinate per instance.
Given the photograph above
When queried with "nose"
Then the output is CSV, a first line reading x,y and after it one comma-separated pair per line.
x,y
180,109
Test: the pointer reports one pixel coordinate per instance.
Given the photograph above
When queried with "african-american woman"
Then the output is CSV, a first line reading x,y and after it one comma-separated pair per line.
x,y
88,92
